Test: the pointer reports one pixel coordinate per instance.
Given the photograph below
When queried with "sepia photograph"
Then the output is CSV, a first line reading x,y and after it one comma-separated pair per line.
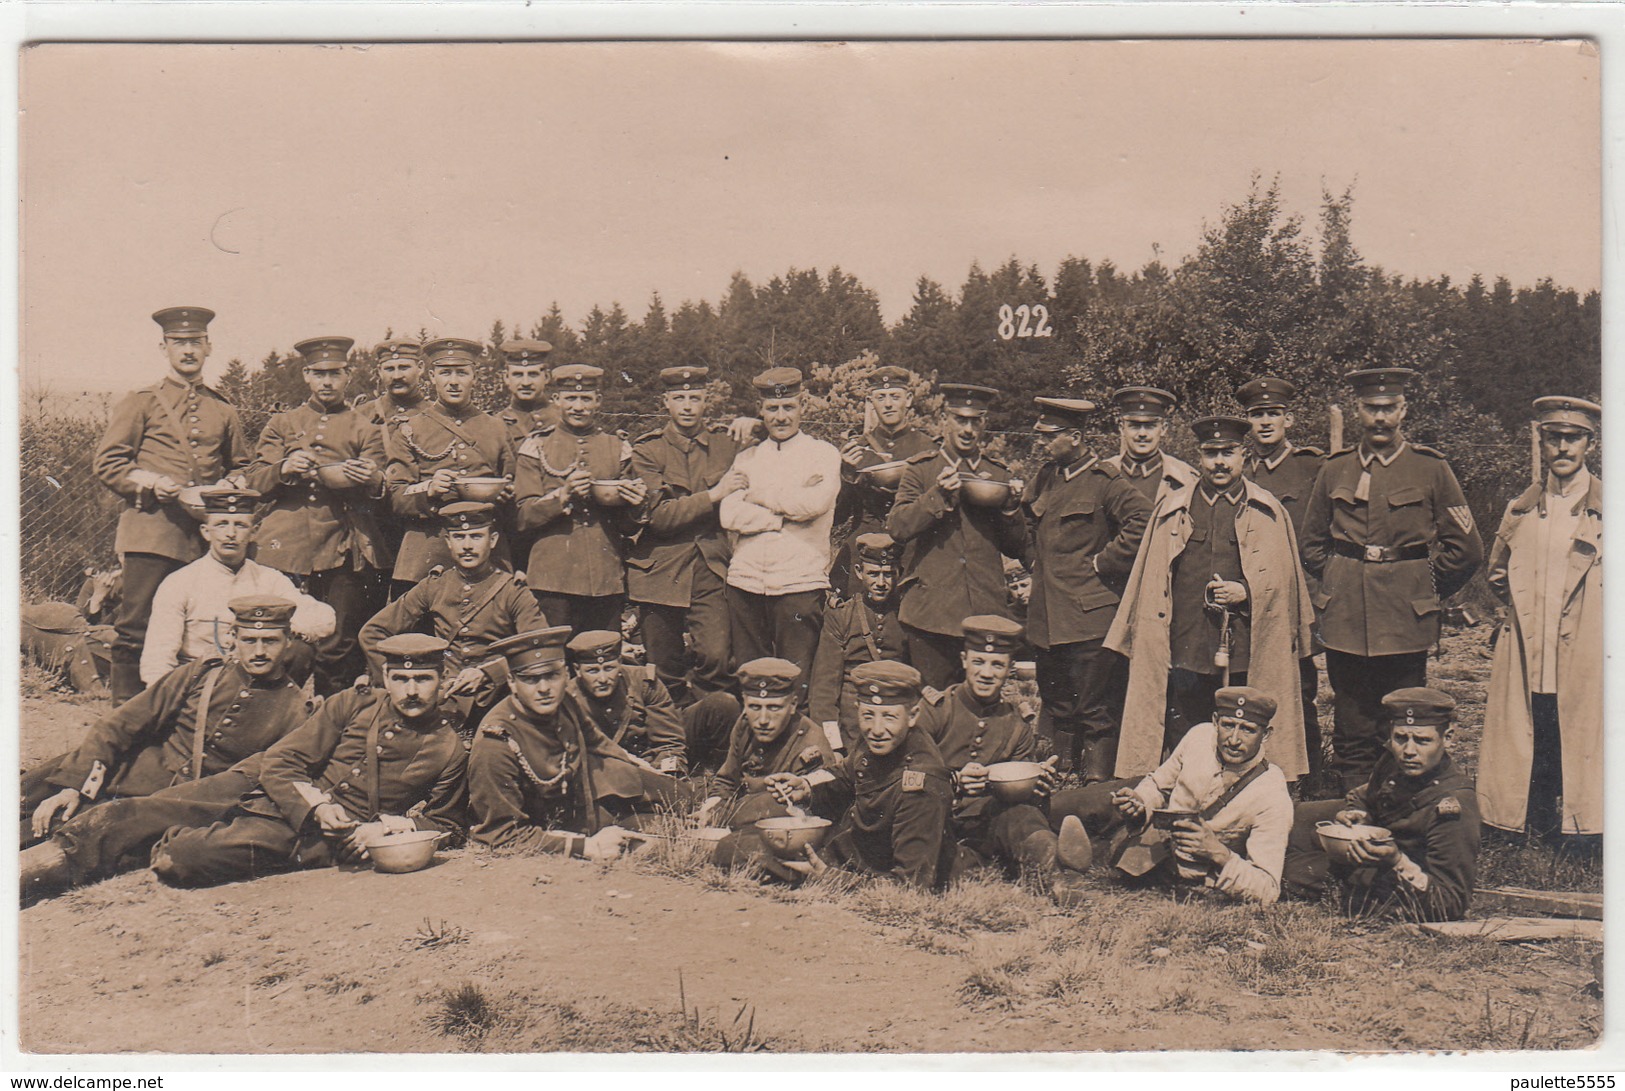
x,y
810,547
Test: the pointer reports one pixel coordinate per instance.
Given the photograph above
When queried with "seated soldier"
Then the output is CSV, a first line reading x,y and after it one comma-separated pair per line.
x,y
190,619
1227,808
543,777
152,741
1417,793
863,629
975,727
890,797
363,765
471,606
632,706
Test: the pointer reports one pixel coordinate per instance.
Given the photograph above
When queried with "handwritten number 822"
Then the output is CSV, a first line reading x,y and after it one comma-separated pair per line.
x,y
1024,321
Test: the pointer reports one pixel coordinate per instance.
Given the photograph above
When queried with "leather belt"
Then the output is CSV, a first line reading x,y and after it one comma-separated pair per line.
x,y
1376,554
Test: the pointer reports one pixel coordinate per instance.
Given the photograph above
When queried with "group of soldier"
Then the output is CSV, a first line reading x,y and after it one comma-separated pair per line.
x,y
451,587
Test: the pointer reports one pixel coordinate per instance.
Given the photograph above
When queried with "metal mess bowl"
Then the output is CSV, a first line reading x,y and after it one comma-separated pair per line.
x,y
191,501
981,493
886,474
1014,781
332,475
396,853
788,838
1339,840
607,494
480,490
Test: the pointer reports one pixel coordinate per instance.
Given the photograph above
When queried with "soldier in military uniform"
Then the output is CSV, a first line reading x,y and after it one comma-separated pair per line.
x,y
543,778
159,440
677,569
320,530
431,449
1085,521
1390,537
1426,869
864,499
975,727
1142,424
1287,472
369,762
400,372
770,736
524,373
951,548
632,706
196,721
472,605
891,797
150,764
863,629
575,566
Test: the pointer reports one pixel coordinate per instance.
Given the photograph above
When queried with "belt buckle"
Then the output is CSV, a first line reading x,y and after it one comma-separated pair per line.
x,y
1374,553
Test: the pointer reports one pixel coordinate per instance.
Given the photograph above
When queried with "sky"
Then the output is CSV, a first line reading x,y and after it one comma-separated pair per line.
x,y
306,190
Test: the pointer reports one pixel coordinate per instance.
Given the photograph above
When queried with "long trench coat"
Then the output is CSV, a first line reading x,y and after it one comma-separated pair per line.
x,y
1503,770
1281,617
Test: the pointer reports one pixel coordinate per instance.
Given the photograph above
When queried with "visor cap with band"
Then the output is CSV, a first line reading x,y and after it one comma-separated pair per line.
x,y
261,612
229,501
467,515
528,651
597,646
967,399
398,348
1419,706
886,683
1560,413
582,377
325,353
877,548
778,382
768,677
992,633
890,377
1380,385
1266,392
1220,433
684,378
451,352
1147,403
412,651
1244,703
183,321
1062,414
524,351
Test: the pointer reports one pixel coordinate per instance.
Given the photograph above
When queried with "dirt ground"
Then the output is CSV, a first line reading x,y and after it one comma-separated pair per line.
x,y
523,954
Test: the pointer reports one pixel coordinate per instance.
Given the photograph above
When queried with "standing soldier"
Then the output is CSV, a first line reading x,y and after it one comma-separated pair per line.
x,y
400,371
677,569
321,467
1142,423
1288,472
952,543
781,520
524,373
575,566
1390,536
159,440
1216,598
1543,723
431,449
863,629
1085,524
864,496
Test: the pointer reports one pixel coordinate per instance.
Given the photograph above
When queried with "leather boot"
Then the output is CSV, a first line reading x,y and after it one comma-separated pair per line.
x,y
43,872
1038,850
1099,758
1073,848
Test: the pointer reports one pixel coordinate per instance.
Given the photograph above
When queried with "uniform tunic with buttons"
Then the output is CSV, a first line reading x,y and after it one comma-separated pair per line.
x,y
360,753
309,527
184,431
1212,549
864,502
471,612
951,552
146,743
1435,822
854,633
1157,476
434,438
521,422
1289,473
579,545
897,812
384,409
638,714
683,528
800,749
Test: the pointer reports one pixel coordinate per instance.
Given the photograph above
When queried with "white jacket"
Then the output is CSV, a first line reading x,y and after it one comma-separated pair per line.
x,y
780,526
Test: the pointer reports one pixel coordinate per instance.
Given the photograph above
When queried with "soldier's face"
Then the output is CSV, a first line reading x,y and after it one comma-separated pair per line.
x,y
598,679
578,408
884,727
768,717
781,417
1418,749
186,352
327,385
1238,740
963,433
400,375
1064,446
1270,424
685,407
1380,421
1564,451
413,691
540,689
453,384
1221,465
260,651
879,581
525,382
228,537
891,405
471,548
985,672
1142,438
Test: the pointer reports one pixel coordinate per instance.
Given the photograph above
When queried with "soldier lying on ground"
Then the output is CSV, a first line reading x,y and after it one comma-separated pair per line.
x,y
358,768
1416,793
74,640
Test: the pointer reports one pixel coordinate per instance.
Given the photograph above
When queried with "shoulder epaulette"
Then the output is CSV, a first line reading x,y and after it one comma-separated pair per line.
x,y
1106,469
436,572
1432,452
1316,451
923,456
718,426
1341,451
497,729
647,436
935,696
